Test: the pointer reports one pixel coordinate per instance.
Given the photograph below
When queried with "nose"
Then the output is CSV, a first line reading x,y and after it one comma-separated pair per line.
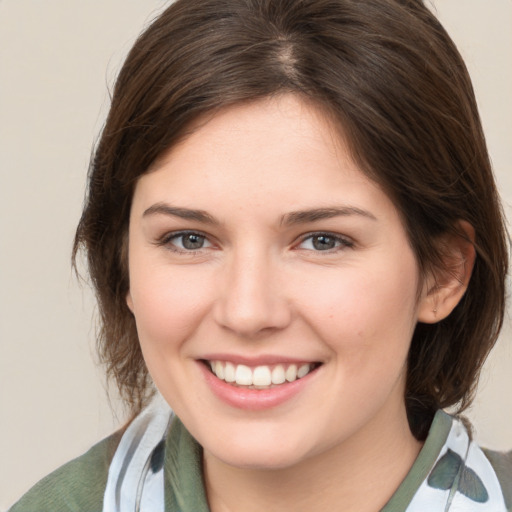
x,y
251,299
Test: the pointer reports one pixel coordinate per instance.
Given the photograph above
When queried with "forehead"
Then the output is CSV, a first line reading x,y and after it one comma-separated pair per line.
x,y
281,151
283,127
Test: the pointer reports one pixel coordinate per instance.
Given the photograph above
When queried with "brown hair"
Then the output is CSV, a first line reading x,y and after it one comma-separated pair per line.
x,y
390,76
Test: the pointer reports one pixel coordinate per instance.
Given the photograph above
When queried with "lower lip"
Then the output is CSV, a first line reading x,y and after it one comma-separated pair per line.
x,y
254,399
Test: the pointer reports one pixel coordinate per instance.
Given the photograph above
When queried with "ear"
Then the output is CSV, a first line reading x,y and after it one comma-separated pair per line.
x,y
443,291
129,301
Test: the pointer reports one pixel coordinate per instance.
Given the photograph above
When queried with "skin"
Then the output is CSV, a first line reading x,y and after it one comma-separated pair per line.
x,y
259,287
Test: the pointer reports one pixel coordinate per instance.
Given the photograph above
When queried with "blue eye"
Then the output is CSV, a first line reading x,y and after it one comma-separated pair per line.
x,y
324,242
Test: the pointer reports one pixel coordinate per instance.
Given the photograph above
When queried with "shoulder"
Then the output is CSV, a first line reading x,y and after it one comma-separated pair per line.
x,y
76,486
502,465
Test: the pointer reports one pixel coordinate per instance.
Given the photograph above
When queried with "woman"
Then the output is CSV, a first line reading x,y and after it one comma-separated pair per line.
x,y
294,233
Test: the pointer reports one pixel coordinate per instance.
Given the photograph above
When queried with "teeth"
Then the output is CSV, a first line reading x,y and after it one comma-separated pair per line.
x,y
219,370
291,373
243,375
261,376
278,375
229,372
303,371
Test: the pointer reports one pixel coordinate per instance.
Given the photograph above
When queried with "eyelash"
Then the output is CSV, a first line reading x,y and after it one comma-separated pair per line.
x,y
340,242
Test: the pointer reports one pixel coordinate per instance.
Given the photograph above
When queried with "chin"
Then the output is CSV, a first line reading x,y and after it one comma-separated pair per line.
x,y
259,461
259,454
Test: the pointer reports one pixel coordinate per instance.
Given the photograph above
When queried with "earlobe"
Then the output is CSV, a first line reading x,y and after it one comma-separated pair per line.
x,y
444,290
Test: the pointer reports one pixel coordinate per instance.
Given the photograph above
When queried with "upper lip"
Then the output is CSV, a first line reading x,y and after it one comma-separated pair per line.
x,y
261,360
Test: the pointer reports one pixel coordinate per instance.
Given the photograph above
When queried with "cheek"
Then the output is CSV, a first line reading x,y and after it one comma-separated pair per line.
x,y
167,303
365,310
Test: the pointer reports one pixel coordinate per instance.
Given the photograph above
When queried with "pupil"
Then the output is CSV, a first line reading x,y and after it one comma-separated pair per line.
x,y
323,243
193,241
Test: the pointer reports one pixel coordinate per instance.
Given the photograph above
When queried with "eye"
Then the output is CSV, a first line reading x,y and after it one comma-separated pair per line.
x,y
324,242
187,241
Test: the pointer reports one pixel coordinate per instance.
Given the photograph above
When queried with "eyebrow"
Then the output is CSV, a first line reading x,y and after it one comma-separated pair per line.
x,y
292,218
315,214
182,213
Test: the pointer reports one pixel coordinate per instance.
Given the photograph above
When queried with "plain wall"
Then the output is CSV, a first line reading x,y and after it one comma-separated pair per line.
x,y
57,59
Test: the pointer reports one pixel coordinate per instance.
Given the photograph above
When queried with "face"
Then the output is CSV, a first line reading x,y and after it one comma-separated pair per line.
x,y
273,287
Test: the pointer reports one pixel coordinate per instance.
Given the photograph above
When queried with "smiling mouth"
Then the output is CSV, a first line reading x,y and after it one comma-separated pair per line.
x,y
259,377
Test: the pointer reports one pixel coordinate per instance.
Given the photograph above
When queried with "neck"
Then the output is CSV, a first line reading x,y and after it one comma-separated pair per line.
x,y
337,479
